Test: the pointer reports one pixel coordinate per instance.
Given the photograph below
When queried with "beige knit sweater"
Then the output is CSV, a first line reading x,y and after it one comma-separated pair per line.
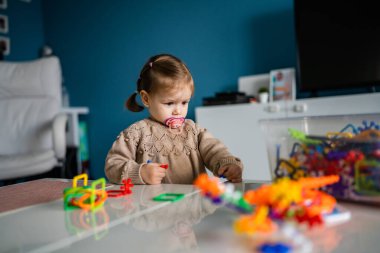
x,y
187,153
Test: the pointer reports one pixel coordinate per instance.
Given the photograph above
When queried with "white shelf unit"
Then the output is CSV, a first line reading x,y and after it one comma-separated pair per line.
x,y
238,126
72,134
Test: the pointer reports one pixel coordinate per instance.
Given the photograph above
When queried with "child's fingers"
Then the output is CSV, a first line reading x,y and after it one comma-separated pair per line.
x,y
157,176
160,172
222,171
233,173
152,164
228,172
237,176
153,173
158,165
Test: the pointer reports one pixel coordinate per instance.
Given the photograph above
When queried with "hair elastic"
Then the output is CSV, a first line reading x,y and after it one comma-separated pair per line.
x,y
151,64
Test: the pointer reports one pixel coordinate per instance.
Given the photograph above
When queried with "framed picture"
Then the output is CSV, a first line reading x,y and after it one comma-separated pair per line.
x,y
5,45
3,24
282,84
3,4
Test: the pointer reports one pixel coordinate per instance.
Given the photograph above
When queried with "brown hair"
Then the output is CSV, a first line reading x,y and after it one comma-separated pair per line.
x,y
163,71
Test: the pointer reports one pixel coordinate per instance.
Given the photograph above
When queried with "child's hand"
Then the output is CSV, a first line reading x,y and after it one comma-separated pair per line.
x,y
232,172
152,173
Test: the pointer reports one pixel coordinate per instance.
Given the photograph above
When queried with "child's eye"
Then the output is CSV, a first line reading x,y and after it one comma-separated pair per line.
x,y
170,103
185,102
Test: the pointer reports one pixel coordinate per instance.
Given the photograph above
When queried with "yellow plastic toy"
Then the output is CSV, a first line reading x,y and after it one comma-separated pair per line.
x,y
85,197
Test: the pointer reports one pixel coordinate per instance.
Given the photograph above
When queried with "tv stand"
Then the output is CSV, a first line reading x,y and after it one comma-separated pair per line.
x,y
314,94
372,89
238,125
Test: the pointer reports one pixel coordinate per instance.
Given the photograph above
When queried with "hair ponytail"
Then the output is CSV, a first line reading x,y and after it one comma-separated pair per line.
x,y
132,105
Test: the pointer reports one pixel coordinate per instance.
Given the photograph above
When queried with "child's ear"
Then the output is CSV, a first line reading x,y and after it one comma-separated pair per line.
x,y
144,98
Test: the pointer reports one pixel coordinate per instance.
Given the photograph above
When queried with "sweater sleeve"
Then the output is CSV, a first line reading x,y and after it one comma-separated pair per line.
x,y
214,153
120,161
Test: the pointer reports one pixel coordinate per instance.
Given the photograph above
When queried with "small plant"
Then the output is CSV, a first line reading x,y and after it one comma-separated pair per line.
x,y
263,89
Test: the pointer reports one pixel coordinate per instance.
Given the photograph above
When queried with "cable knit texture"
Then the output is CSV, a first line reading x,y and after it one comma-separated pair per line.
x,y
187,153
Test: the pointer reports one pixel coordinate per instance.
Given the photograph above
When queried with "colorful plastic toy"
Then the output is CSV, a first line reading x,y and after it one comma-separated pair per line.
x,y
173,197
285,199
274,248
125,189
87,198
219,193
164,165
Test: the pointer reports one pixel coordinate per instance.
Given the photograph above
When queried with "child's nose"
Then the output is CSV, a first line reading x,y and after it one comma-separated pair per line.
x,y
177,110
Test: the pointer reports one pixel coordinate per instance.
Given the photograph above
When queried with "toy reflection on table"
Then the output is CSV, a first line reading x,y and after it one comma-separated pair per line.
x,y
81,221
174,222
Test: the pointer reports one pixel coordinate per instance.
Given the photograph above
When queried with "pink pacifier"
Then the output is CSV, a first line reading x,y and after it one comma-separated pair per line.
x,y
174,122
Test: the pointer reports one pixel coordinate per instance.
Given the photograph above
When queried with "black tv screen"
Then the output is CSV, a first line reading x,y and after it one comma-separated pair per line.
x,y
338,44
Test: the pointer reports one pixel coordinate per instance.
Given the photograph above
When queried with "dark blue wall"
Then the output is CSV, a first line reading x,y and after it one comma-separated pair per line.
x,y
25,29
103,44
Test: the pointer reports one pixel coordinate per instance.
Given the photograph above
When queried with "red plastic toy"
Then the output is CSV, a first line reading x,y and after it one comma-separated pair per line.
x,y
125,189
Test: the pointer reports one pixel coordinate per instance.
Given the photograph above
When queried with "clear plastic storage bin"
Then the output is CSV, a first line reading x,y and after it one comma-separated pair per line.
x,y
348,146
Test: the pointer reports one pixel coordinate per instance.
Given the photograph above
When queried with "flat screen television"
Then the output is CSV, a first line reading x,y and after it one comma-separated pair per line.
x,y
338,45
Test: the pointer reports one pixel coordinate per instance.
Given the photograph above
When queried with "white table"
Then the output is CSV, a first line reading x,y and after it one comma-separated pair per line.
x,y
135,223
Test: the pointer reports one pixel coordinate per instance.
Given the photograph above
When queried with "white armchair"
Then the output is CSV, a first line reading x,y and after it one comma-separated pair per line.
x,y
32,127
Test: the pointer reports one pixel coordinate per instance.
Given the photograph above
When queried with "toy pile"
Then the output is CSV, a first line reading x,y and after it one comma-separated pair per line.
x,y
353,153
275,209
285,200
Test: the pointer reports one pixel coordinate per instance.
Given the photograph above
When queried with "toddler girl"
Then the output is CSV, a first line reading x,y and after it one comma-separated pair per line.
x,y
166,147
